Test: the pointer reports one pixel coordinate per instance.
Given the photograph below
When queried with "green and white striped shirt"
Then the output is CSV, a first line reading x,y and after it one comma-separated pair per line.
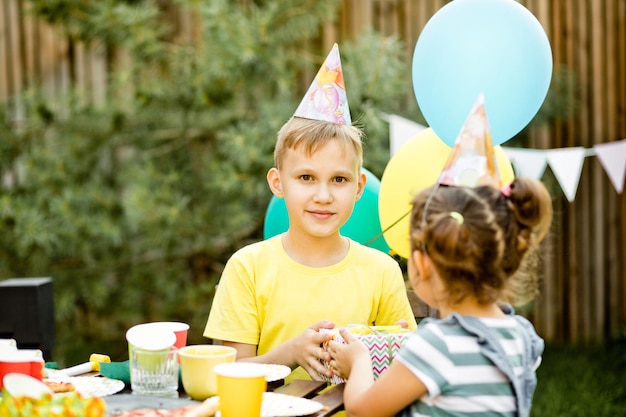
x,y
461,381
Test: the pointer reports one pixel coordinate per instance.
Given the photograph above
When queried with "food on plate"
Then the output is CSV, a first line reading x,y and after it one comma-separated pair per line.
x,y
207,408
155,412
58,386
49,405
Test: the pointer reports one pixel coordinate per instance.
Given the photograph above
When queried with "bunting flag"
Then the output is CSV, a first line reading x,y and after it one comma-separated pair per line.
x,y
529,163
566,163
612,156
401,130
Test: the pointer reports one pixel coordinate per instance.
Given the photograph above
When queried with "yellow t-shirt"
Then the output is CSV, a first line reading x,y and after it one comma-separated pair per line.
x,y
265,298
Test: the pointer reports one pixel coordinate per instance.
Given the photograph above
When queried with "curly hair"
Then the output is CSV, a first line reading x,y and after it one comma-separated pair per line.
x,y
525,215
477,238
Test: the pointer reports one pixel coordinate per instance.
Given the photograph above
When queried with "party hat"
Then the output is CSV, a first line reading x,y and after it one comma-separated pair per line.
x,y
326,98
472,161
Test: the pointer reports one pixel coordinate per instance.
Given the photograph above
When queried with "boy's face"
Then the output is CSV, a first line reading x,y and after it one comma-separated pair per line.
x,y
319,189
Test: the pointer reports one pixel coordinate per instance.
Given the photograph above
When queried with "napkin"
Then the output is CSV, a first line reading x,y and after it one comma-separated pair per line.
x,y
116,370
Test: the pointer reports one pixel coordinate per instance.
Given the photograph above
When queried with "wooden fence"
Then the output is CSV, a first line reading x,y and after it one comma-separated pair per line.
x,y
584,279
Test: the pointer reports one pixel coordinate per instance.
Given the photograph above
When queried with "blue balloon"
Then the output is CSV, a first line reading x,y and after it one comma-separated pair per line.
x,y
494,47
363,225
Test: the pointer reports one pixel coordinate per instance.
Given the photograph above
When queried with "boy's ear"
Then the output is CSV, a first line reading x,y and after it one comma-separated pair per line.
x,y
273,180
361,186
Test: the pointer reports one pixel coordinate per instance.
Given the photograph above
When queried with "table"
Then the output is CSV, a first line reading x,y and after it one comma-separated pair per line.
x,y
330,396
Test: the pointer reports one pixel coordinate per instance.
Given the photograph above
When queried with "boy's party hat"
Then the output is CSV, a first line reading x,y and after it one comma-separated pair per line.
x,y
326,98
472,161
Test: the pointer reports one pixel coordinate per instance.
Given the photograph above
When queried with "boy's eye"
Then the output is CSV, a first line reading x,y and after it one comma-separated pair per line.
x,y
305,177
340,179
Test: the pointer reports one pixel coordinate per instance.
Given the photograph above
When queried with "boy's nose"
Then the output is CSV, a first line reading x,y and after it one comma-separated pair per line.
x,y
323,194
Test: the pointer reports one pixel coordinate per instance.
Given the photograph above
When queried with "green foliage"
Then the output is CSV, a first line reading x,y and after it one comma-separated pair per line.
x,y
134,206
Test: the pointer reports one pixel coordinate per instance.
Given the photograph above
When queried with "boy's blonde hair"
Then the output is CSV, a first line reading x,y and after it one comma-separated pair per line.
x,y
312,135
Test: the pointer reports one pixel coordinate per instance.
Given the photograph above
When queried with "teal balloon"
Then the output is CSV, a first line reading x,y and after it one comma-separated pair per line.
x,y
494,47
363,225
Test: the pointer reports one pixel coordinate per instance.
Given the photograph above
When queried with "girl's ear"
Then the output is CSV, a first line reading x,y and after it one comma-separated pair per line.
x,y
422,263
273,180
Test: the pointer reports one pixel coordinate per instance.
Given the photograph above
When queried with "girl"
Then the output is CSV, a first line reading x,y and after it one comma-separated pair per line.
x,y
479,358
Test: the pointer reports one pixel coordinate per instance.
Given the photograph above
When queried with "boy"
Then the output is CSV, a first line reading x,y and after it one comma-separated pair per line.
x,y
274,296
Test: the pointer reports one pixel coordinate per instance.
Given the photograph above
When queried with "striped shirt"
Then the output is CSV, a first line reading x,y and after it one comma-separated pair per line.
x,y
460,380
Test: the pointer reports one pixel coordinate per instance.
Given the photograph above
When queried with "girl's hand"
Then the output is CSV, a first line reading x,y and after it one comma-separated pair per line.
x,y
308,351
347,355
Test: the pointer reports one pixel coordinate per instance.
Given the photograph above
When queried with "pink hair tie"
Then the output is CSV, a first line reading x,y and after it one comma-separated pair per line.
x,y
506,190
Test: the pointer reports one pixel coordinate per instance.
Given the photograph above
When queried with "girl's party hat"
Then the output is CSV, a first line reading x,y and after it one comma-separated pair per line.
x,y
326,98
472,162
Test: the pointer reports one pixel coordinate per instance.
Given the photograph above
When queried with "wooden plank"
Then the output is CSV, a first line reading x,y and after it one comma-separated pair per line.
x,y
99,67
622,243
541,135
618,279
409,31
9,35
332,399
21,44
600,121
302,388
29,33
609,23
620,15
5,55
330,396
551,302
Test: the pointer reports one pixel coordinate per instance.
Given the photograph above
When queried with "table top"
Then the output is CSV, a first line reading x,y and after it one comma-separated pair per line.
x,y
330,396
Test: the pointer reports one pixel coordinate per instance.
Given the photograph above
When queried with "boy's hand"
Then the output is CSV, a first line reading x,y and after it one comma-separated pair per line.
x,y
347,355
308,350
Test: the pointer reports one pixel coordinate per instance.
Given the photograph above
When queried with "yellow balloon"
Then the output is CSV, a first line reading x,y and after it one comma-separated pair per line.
x,y
415,166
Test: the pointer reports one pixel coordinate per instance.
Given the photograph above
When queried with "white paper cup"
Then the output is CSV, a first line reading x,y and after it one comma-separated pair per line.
x,y
180,330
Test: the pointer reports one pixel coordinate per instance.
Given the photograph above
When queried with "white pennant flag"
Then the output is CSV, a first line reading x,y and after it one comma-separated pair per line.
x,y
400,131
612,156
567,164
529,163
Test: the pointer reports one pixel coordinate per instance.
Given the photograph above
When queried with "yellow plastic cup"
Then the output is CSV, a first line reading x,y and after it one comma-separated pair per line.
x,y
197,363
240,386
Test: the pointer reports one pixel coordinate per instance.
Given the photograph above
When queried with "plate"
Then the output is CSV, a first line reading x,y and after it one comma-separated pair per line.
x,y
282,405
89,386
96,386
117,404
276,372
